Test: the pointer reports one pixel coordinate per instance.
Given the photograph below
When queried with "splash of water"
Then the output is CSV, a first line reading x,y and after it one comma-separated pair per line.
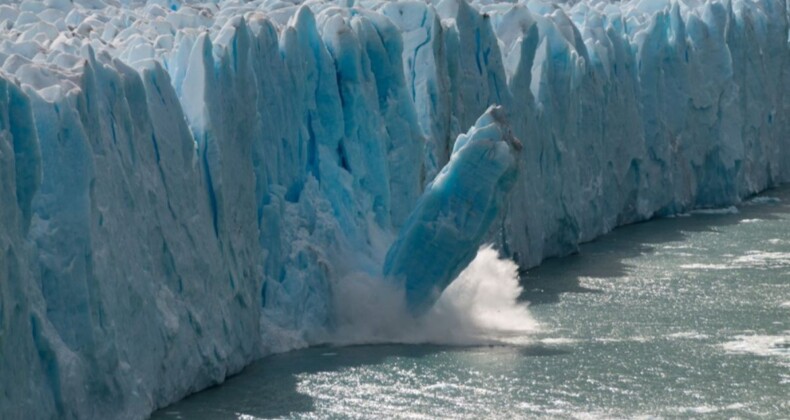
x,y
480,307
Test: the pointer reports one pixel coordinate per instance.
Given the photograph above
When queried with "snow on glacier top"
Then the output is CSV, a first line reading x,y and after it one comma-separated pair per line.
x,y
44,42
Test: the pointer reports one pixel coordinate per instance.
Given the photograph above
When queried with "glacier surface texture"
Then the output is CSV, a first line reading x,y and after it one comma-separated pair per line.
x,y
183,183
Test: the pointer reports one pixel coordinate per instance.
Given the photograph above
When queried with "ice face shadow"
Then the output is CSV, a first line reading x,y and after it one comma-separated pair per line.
x,y
607,256
269,388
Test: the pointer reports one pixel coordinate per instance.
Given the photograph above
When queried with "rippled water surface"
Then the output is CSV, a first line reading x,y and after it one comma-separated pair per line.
x,y
686,316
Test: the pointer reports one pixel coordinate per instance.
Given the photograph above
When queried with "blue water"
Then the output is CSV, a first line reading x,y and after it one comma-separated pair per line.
x,y
678,317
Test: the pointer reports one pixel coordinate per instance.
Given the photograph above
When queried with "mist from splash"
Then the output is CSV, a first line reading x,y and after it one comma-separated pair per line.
x,y
479,308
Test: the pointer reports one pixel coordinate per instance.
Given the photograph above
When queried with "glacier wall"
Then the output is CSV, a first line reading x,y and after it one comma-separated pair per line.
x,y
182,182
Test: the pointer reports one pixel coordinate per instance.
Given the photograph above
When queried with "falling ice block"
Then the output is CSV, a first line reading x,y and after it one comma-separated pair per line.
x,y
443,233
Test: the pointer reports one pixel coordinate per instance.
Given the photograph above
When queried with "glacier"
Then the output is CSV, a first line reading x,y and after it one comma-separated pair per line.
x,y
183,182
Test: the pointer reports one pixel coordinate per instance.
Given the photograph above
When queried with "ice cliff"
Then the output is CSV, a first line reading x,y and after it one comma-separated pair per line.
x,y
182,182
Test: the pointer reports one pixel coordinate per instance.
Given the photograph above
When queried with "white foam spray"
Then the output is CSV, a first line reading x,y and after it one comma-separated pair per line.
x,y
480,307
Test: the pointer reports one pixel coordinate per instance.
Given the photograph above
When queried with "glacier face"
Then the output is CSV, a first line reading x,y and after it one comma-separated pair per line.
x,y
183,181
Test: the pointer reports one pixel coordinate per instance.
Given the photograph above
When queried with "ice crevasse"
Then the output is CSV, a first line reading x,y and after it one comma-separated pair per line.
x,y
182,182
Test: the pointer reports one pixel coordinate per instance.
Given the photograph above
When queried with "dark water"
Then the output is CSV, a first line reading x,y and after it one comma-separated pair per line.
x,y
679,317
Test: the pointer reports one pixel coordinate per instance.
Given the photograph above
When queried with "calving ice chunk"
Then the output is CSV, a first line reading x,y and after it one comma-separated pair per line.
x,y
444,231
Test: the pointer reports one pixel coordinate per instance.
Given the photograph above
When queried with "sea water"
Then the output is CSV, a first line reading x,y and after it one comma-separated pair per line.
x,y
677,317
